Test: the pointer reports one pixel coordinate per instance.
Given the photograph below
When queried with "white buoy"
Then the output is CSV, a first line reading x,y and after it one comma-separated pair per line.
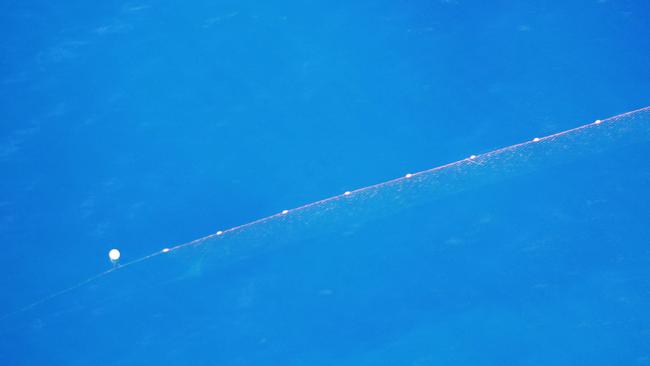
x,y
114,255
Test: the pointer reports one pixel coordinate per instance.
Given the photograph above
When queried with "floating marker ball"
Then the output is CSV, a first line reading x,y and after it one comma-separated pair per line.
x,y
114,255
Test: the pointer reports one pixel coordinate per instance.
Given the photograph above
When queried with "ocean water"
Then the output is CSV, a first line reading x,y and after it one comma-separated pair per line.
x,y
145,125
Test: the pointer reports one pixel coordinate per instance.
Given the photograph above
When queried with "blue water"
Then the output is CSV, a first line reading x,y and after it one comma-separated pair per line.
x,y
148,124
